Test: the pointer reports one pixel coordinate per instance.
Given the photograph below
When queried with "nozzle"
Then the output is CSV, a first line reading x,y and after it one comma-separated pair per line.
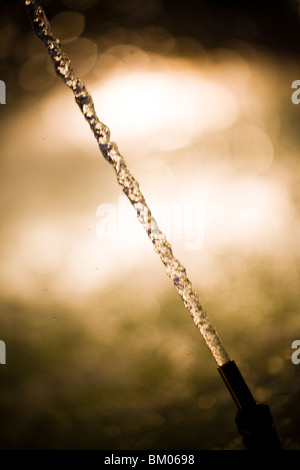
x,y
254,420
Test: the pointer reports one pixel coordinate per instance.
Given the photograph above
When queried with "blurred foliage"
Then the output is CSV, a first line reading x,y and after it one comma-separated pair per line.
x,y
152,385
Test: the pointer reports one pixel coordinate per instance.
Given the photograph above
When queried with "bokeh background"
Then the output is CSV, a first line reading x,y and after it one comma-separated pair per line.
x,y
101,353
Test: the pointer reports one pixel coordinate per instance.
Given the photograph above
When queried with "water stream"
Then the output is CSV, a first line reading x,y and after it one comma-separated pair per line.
x,y
130,186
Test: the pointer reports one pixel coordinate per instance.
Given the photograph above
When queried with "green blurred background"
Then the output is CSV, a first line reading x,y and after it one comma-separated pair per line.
x,y
101,353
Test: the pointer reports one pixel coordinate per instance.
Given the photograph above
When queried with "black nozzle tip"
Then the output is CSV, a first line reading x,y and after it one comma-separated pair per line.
x,y
254,421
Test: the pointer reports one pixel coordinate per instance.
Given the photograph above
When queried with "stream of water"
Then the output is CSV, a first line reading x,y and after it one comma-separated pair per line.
x,y
130,186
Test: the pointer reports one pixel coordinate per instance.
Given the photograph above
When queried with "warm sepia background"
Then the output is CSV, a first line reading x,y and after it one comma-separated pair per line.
x,y
101,353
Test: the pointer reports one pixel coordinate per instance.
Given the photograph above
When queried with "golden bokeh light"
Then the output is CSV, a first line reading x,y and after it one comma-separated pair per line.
x,y
183,125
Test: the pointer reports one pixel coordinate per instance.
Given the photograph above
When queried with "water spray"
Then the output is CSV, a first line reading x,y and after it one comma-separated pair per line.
x,y
254,420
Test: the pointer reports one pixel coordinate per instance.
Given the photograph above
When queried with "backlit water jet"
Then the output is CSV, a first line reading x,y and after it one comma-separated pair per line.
x,y
254,420
174,269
